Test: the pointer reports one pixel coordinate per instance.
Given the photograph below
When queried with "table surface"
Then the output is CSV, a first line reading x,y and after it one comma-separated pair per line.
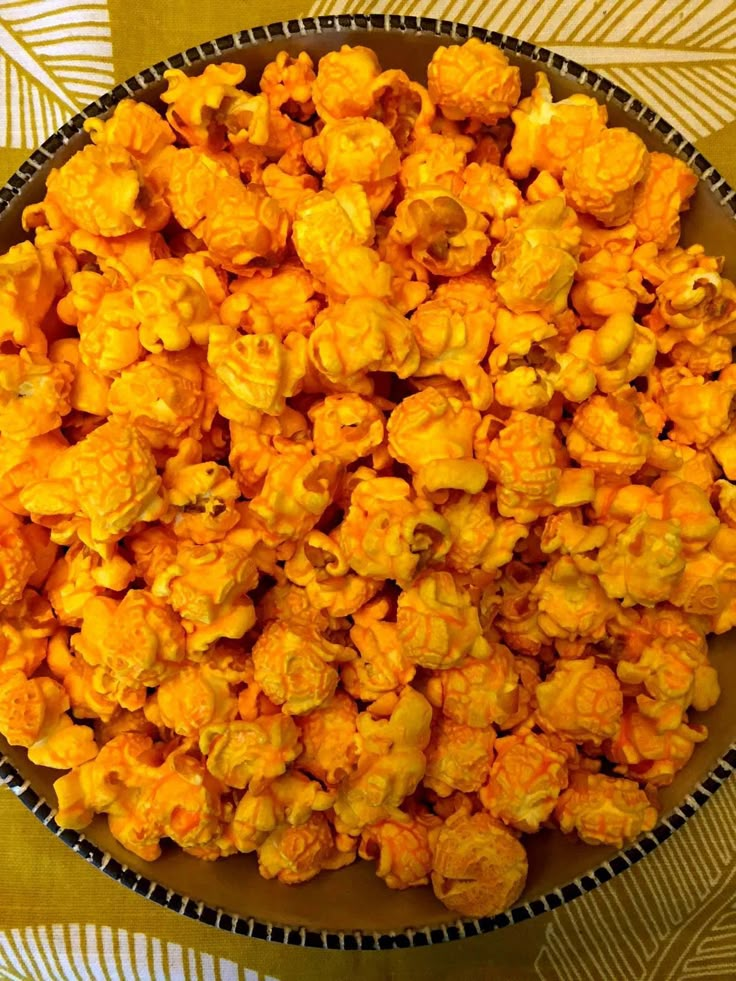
x,y
672,916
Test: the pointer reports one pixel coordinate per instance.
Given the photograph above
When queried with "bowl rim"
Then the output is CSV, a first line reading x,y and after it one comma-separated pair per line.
x,y
459,928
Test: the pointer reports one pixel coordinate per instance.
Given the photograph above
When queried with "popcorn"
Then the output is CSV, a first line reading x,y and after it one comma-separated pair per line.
x,y
361,448
473,80
478,866
604,810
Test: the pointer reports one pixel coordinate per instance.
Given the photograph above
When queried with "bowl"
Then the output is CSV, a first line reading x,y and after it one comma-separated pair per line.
x,y
352,908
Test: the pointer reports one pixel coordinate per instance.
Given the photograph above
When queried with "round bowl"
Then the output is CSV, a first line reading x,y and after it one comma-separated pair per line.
x,y
352,908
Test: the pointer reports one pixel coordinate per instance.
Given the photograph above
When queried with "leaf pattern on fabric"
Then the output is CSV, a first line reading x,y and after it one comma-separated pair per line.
x,y
678,56
55,58
651,926
105,954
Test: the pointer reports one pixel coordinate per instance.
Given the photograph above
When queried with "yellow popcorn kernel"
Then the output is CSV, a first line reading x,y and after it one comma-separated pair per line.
x,y
643,563
294,665
610,435
327,223
438,160
297,854
289,800
327,734
547,133
172,307
382,665
659,201
320,566
604,810
404,107
207,585
287,295
201,494
476,693
488,188
25,629
31,277
256,443
390,765
199,104
437,623
433,435
601,177
78,575
527,776
478,867
195,176
536,259
401,848
473,80
89,389
353,149
388,535
135,642
571,602
619,351
480,538
101,190
34,394
17,564
287,83
606,284
347,427
108,480
581,701
699,409
458,757
446,236
243,226
248,754
298,489
644,752
344,83
134,126
364,334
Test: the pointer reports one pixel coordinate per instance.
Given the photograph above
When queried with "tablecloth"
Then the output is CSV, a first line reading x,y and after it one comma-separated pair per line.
x,y
672,916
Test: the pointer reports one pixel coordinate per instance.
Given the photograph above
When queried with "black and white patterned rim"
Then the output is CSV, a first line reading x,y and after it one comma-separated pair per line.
x,y
457,929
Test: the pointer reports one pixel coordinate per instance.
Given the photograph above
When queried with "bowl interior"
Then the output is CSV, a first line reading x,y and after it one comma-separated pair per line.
x,y
354,898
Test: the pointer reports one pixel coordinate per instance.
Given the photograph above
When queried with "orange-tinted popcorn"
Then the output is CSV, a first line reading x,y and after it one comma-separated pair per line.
x,y
401,848
604,810
34,394
528,774
581,701
433,435
107,482
248,754
458,757
547,133
360,459
101,189
601,177
437,623
536,260
294,664
327,735
658,202
478,866
445,235
364,334
474,81
31,277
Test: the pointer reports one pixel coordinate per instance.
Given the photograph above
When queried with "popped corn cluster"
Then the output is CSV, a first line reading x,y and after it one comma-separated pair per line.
x,y
366,473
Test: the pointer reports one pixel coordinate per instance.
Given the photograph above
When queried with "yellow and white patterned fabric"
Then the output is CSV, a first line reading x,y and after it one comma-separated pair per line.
x,y
672,916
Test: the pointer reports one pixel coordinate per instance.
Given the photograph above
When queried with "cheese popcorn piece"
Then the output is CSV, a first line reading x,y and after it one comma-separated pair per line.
x,y
101,190
243,226
478,867
458,758
297,854
480,537
294,664
344,83
619,351
659,201
536,260
644,563
173,306
25,628
433,435
17,564
547,133
571,603
474,81
645,753
353,149
34,394
347,426
527,776
475,693
438,626
600,179
196,698
581,701
79,575
401,848
327,735
134,126
610,436
364,334
604,810
288,81
31,277
199,104
383,665
248,754
108,480
445,235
